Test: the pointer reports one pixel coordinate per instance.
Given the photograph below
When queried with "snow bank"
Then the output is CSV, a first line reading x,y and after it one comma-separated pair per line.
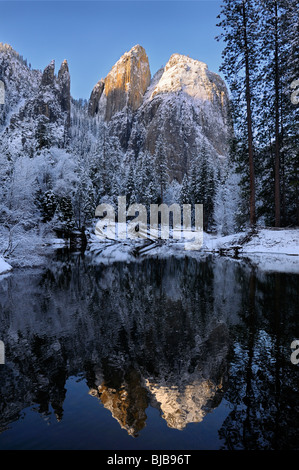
x,y
4,266
269,249
270,241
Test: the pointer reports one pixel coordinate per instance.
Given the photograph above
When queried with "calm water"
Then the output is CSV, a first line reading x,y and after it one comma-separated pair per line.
x,y
158,354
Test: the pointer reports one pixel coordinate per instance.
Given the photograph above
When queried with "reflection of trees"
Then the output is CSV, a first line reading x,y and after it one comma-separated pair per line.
x,y
263,382
156,332
153,318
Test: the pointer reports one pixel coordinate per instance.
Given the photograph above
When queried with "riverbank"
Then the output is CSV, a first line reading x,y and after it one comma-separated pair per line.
x,y
267,248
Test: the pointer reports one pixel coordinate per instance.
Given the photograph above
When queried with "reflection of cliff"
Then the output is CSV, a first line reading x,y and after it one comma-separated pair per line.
x,y
152,333
127,403
180,407
153,318
188,397
183,396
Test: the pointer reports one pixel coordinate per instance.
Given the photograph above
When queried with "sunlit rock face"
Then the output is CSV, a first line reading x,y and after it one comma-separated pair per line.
x,y
185,108
127,82
193,77
124,85
182,406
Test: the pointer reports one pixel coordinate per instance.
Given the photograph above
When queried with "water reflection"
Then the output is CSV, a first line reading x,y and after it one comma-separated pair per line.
x,y
178,335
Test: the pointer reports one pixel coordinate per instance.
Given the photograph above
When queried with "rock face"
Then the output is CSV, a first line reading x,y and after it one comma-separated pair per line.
x,y
127,82
124,85
48,75
93,104
37,104
54,96
184,108
64,82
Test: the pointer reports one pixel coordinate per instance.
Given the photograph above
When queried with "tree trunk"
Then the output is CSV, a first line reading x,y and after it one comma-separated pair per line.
x,y
249,123
277,142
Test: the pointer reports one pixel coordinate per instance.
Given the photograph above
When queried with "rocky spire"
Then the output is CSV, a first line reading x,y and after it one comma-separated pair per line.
x,y
48,74
93,105
65,87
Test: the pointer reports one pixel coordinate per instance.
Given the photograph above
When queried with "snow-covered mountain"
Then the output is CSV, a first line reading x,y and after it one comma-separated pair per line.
x,y
184,107
37,104
137,135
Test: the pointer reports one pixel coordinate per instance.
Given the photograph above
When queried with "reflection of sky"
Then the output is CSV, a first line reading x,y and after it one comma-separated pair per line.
x,y
92,35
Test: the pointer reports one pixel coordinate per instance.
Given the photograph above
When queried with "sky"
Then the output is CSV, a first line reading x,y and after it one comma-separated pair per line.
x,y
93,35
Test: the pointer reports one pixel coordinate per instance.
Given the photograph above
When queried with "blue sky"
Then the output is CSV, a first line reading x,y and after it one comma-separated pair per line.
x,y
92,35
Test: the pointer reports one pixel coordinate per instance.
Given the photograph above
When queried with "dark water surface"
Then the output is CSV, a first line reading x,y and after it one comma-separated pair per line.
x,y
158,354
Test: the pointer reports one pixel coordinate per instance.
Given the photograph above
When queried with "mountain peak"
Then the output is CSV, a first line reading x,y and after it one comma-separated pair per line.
x,y
182,73
124,86
48,74
127,81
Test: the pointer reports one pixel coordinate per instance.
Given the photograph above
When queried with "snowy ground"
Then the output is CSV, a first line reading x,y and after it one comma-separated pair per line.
x,y
270,241
26,249
269,249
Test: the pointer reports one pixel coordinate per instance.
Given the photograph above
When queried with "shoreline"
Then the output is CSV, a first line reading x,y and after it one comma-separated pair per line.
x,y
270,249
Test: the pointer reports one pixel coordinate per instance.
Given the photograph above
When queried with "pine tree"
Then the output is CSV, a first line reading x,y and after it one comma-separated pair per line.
x,y
202,187
291,127
273,47
239,65
84,203
185,197
47,203
64,214
130,186
161,168
276,122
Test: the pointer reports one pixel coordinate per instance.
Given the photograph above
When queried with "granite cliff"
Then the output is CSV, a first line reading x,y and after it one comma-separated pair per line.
x,y
183,107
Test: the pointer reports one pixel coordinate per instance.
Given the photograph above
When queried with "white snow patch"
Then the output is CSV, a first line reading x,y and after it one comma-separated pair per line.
x,y
269,249
4,266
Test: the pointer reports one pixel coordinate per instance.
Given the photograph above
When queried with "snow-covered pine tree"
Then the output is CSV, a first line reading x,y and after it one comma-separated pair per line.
x,y
130,185
239,21
64,215
185,197
161,168
47,204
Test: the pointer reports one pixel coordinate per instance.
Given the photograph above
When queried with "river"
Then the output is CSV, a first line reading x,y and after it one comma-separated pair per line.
x,y
154,354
